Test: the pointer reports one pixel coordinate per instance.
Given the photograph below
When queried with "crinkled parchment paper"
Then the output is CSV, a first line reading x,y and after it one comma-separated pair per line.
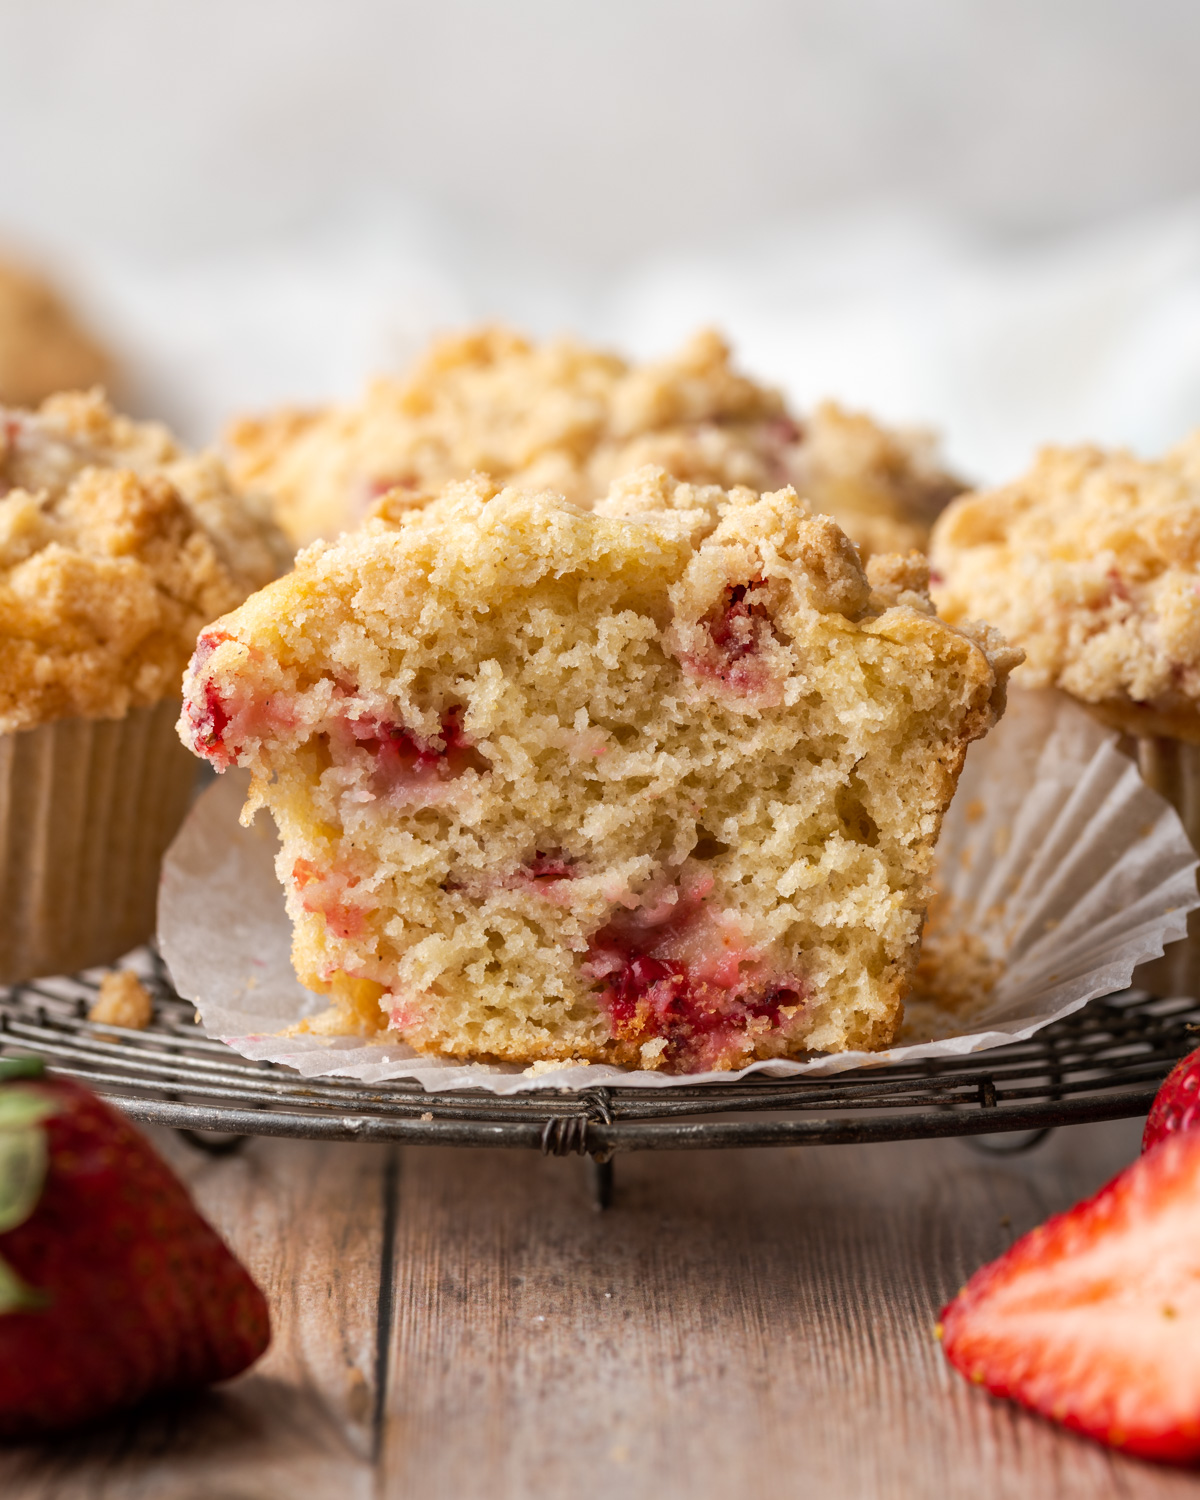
x,y
1057,866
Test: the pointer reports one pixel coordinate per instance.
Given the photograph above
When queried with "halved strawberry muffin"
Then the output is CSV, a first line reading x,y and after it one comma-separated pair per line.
x,y
656,784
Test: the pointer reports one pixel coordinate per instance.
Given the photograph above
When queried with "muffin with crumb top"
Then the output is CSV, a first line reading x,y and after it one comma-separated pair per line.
x,y
1091,563
655,783
567,417
116,548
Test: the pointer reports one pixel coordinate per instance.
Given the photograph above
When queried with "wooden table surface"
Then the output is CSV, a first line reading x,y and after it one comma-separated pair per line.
x,y
453,1324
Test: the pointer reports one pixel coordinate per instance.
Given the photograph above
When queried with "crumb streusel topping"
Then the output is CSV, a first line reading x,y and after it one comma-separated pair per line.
x,y
1091,562
655,783
564,416
42,347
116,548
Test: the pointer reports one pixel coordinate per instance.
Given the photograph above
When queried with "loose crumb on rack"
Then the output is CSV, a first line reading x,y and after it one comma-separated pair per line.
x,y
957,971
123,1001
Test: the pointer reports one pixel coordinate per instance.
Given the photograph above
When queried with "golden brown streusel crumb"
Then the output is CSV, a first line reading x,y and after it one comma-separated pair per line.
x,y
571,418
116,547
123,1001
656,783
43,349
1091,562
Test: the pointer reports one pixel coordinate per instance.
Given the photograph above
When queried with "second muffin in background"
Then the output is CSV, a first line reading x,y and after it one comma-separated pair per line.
x,y
571,418
1091,563
116,548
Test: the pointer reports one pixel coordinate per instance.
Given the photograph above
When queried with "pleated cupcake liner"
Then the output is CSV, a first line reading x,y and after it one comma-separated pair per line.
x,y
87,810
1172,768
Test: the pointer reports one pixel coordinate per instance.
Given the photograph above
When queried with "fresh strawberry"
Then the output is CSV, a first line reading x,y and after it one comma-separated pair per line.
x,y
1177,1104
1093,1319
111,1284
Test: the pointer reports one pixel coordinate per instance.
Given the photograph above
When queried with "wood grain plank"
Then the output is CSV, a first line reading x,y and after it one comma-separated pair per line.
x,y
756,1323
308,1220
741,1323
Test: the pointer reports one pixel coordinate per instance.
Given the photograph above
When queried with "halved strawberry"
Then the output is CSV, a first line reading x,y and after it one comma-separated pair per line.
x,y
1177,1104
111,1284
1093,1319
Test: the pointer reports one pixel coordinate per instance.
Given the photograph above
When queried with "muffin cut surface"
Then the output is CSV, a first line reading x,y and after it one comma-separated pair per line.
x,y
656,784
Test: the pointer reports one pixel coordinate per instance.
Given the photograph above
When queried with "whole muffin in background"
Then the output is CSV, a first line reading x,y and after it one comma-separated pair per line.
x,y
656,783
43,348
1091,562
571,418
116,548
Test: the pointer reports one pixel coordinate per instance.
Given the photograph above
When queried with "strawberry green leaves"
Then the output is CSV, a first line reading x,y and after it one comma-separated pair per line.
x,y
23,1158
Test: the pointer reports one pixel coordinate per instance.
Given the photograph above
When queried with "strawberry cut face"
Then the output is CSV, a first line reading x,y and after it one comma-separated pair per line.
x,y
1093,1319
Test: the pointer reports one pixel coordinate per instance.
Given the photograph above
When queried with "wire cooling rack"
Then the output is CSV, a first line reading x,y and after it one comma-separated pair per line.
x,y
1103,1063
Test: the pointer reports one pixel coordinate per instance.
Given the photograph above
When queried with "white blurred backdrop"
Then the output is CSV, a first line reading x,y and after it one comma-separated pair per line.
x,y
984,215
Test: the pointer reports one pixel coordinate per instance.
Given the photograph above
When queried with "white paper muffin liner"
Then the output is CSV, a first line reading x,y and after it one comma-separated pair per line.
x,y
1054,853
1172,768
